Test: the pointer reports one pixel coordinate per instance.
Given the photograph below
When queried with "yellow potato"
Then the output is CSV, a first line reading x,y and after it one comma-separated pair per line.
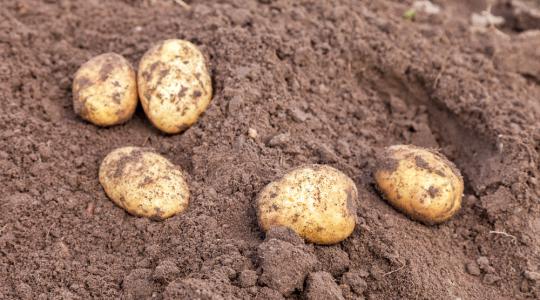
x,y
174,85
421,183
105,90
318,202
144,183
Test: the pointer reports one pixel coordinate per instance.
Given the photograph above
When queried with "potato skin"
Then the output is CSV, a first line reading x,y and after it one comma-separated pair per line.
x,y
144,183
318,202
174,85
105,90
419,182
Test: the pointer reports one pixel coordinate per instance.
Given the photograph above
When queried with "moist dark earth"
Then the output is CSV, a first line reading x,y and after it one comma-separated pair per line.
x,y
295,82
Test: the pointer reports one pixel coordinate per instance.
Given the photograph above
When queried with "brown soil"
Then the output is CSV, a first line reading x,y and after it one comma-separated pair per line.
x,y
321,82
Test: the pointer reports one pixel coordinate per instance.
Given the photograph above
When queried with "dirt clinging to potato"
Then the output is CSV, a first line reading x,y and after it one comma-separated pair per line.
x,y
295,82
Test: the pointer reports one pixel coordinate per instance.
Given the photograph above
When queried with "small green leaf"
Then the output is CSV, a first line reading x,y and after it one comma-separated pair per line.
x,y
410,14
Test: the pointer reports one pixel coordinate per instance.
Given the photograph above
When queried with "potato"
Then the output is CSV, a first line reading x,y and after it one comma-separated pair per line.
x,y
105,90
318,202
419,182
144,183
174,85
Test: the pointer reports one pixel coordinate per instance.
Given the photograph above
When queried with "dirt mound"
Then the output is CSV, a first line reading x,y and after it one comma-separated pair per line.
x,y
318,82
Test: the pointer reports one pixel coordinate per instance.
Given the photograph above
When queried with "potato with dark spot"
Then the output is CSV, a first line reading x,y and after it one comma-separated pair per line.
x,y
174,85
420,182
318,202
144,183
105,90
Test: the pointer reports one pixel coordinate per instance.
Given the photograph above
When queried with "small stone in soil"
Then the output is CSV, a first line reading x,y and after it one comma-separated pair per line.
x,y
472,268
252,133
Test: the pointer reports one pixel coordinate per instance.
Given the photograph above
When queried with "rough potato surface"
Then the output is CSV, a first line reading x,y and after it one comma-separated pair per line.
x,y
421,183
105,90
174,84
318,202
144,183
